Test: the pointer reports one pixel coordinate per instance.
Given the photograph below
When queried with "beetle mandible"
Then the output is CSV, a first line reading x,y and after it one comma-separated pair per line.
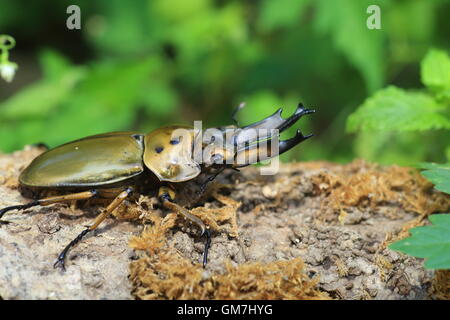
x,y
114,165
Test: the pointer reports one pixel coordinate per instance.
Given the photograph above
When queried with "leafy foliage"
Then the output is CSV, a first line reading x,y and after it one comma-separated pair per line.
x,y
429,242
394,109
436,72
439,174
108,91
393,115
142,64
397,110
343,20
280,14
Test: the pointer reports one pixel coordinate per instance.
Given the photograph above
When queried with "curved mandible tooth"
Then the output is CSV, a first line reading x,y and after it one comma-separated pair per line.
x,y
285,145
299,112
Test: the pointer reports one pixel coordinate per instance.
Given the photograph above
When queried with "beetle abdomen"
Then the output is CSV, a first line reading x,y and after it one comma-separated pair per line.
x,y
89,162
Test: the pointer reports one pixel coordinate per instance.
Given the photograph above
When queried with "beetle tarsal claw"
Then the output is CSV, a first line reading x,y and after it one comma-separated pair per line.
x,y
207,233
60,263
205,230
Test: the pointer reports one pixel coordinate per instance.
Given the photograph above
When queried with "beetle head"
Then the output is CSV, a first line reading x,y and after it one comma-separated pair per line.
x,y
176,153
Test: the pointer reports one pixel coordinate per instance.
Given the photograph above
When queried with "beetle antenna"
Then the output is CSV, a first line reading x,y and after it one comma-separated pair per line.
x,y
208,180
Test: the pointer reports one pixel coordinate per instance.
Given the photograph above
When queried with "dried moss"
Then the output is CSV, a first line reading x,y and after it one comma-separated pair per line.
x,y
215,217
10,168
162,273
360,184
440,287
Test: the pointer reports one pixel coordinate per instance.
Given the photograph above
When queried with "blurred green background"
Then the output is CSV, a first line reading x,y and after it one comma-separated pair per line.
x,y
138,65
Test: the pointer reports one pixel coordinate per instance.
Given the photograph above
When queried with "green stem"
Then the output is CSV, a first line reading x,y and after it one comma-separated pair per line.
x,y
6,44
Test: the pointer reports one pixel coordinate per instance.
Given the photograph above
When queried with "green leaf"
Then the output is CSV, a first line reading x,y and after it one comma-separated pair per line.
x,y
159,98
106,101
107,97
122,29
281,13
345,21
38,99
432,165
439,174
410,40
429,242
394,109
385,147
435,72
53,63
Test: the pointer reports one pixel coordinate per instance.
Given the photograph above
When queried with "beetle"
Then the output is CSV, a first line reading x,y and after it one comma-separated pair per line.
x,y
117,164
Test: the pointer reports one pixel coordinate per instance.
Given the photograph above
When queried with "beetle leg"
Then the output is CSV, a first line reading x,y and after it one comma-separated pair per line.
x,y
102,216
50,200
209,179
18,207
167,196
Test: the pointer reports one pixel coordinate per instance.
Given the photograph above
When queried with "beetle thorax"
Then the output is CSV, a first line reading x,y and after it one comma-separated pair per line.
x,y
168,154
